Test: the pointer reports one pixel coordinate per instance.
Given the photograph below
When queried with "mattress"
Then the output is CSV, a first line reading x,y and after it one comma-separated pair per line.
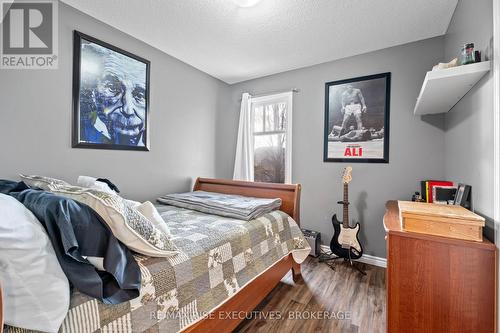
x,y
218,256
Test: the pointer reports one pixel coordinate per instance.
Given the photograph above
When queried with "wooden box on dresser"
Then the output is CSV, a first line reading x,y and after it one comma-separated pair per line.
x,y
438,284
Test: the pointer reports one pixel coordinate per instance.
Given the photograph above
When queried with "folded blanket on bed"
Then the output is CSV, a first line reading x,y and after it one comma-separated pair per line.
x,y
229,205
94,261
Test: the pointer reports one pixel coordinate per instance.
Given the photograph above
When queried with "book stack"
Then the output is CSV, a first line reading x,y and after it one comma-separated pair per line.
x,y
433,189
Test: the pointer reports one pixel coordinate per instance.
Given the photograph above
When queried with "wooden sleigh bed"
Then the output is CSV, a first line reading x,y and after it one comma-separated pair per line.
x,y
248,297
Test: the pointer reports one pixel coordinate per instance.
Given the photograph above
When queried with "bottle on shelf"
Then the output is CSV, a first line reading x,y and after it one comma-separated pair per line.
x,y
467,56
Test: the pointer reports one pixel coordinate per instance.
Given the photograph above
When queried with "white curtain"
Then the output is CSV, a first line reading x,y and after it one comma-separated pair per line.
x,y
243,164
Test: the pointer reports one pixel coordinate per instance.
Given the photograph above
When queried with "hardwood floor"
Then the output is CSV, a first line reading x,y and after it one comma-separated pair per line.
x,y
324,295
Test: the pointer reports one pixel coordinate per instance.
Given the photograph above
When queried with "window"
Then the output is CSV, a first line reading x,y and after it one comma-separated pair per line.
x,y
271,124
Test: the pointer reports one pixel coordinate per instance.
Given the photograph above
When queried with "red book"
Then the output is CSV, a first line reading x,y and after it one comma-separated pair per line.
x,y
432,183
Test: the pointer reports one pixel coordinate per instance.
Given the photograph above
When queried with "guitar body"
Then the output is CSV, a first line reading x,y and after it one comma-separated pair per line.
x,y
345,240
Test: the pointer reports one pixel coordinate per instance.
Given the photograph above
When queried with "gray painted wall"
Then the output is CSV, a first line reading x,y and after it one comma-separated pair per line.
x,y
35,115
194,121
469,125
416,147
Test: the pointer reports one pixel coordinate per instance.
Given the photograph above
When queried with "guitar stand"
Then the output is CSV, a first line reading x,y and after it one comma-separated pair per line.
x,y
324,257
355,266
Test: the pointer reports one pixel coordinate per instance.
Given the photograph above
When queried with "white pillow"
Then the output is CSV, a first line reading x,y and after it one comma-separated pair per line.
x,y
126,222
149,211
36,291
91,182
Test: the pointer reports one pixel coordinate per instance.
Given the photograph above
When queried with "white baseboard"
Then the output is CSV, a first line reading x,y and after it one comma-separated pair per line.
x,y
366,258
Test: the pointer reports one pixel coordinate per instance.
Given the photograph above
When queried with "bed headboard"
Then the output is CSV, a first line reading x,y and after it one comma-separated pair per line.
x,y
288,193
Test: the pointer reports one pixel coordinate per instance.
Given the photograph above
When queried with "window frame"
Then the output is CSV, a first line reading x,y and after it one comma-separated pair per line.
x,y
286,98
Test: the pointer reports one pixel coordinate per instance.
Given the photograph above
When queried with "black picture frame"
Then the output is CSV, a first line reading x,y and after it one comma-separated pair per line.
x,y
462,196
329,124
78,38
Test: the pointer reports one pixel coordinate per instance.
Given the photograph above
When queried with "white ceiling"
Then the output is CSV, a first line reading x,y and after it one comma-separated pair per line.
x,y
236,44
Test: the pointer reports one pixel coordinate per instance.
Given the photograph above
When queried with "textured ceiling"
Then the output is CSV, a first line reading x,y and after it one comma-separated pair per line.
x,y
236,44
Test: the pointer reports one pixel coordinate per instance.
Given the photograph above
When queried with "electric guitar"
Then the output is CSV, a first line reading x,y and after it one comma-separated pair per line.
x,y
345,242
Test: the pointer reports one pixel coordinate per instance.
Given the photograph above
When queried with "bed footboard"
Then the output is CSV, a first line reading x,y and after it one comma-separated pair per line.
x,y
252,294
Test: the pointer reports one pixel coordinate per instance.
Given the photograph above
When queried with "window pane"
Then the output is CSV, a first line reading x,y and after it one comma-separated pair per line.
x,y
282,117
270,117
275,117
258,119
270,120
269,158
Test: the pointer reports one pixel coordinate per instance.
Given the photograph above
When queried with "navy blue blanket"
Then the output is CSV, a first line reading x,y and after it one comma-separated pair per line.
x,y
77,231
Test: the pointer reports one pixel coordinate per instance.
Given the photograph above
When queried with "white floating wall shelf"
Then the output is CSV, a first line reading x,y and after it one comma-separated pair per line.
x,y
444,88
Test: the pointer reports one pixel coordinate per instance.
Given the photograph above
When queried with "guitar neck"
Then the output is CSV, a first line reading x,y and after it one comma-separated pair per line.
x,y
345,217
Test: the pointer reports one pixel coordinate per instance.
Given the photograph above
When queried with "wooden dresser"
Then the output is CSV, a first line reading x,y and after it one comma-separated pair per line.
x,y
437,284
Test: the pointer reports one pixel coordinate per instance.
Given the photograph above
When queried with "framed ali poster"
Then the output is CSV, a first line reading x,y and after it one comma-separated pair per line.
x,y
357,119
110,96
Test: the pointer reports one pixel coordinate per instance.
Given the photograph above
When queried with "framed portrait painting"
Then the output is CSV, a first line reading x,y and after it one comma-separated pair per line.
x,y
357,119
110,96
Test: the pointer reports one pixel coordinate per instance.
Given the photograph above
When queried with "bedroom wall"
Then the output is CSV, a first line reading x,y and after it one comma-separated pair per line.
x,y
416,145
36,111
469,125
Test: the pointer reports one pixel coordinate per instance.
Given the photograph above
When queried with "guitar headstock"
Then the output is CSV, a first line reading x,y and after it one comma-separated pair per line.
x,y
347,175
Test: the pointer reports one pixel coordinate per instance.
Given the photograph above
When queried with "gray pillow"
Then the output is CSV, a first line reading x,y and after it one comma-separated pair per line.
x,y
126,222
41,182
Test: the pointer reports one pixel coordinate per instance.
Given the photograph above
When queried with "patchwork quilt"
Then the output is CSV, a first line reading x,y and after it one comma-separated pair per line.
x,y
218,256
